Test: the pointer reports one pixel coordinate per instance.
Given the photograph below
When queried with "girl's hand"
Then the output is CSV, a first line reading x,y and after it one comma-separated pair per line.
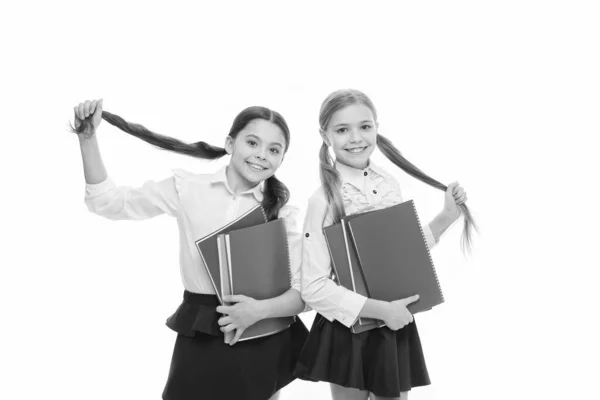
x,y
85,110
398,315
245,313
455,196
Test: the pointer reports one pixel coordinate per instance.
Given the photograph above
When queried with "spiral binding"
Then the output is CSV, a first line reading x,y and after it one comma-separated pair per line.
x,y
289,259
286,243
263,212
428,252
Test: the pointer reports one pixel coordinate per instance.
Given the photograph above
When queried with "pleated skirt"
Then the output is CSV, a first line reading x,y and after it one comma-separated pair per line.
x,y
382,361
204,367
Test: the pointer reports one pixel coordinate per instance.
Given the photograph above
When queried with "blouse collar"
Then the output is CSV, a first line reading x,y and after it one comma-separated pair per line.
x,y
221,177
356,177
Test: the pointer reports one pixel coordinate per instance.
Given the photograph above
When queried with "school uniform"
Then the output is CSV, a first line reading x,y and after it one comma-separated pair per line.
x,y
203,366
381,361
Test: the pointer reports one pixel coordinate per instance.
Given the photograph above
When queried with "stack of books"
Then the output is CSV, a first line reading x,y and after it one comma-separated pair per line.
x,y
249,257
383,255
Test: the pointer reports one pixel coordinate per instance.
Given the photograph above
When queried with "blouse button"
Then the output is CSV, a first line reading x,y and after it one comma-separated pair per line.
x,y
307,235
375,191
365,173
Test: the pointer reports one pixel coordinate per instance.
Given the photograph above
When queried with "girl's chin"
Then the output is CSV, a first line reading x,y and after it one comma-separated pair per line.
x,y
355,162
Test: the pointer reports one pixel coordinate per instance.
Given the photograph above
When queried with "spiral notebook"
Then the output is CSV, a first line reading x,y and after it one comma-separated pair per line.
x,y
394,256
346,268
259,267
207,246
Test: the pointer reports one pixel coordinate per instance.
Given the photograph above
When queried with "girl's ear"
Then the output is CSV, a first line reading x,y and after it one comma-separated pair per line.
x,y
325,137
229,144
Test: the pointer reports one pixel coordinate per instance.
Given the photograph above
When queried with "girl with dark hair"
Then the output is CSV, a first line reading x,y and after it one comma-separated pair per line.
x,y
380,363
203,366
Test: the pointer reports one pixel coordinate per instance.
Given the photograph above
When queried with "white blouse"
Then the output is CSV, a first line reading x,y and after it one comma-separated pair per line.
x,y
202,203
362,190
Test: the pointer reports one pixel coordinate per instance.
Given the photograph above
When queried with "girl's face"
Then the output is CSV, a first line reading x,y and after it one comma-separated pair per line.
x,y
352,133
256,152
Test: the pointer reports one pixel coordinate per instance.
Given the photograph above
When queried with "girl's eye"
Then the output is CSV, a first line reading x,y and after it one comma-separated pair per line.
x,y
251,143
342,130
275,151
366,127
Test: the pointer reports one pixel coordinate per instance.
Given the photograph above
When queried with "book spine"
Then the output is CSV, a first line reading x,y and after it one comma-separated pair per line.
x,y
334,272
428,252
344,232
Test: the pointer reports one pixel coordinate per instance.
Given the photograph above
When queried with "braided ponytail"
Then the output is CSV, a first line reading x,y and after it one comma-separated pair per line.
x,y
198,149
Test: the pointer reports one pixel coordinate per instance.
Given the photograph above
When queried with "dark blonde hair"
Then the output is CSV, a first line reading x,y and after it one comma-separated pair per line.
x,y
276,194
330,177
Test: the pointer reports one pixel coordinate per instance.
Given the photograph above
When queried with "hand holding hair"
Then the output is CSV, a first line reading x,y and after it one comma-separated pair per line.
x,y
455,196
83,111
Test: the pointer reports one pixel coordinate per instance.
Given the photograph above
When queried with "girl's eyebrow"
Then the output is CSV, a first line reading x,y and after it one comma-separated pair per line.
x,y
259,140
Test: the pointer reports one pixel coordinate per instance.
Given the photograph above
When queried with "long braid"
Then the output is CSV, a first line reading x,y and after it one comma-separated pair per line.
x,y
198,149
394,155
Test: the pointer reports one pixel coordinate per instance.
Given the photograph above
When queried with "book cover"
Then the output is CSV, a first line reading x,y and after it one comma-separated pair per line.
x,y
394,256
259,267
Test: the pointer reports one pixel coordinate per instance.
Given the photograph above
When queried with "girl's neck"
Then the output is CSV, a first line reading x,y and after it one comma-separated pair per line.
x,y
236,182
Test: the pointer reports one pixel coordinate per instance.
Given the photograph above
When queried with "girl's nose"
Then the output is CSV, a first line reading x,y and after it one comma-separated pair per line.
x,y
354,136
261,155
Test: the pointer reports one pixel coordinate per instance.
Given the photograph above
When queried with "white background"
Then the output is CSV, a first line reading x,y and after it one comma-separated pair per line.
x,y
501,96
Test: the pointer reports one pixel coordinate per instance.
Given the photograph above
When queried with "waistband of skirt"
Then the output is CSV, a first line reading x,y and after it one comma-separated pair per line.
x,y
200,298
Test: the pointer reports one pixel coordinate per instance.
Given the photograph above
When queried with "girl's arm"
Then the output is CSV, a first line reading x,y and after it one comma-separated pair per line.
x,y
319,291
102,196
248,311
93,167
394,313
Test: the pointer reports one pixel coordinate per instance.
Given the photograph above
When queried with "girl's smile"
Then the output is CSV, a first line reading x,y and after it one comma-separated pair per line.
x,y
255,167
356,150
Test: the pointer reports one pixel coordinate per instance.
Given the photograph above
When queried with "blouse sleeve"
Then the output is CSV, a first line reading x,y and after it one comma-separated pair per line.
x,y
128,203
319,291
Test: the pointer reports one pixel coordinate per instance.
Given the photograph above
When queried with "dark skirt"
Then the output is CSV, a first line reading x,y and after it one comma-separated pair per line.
x,y
204,367
381,361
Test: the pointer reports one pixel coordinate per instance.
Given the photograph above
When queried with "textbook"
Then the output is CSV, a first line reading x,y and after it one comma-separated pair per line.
x,y
258,263
394,256
347,269
207,246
